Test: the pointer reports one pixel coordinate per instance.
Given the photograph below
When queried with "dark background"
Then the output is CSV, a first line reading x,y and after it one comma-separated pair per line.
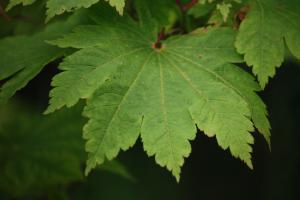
x,y
209,172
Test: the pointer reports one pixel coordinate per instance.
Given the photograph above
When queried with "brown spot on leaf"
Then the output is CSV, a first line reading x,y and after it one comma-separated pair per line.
x,y
240,16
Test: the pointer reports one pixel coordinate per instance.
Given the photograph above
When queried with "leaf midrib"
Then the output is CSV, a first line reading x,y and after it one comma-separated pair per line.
x,y
122,102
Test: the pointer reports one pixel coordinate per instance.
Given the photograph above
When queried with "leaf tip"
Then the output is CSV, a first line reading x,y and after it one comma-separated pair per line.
x,y
176,174
249,164
90,164
269,143
50,109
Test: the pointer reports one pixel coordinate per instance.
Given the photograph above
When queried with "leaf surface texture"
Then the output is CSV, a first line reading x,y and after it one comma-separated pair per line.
x,y
159,94
267,28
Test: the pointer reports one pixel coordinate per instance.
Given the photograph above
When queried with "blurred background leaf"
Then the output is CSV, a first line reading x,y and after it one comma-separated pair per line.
x,y
41,155
39,152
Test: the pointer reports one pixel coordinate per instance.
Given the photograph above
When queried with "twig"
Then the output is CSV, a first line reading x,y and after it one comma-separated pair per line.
x,y
178,2
4,14
187,6
161,35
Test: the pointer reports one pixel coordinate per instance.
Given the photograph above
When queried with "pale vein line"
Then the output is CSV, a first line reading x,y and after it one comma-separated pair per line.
x,y
197,90
163,105
220,78
84,76
228,85
261,17
185,77
99,144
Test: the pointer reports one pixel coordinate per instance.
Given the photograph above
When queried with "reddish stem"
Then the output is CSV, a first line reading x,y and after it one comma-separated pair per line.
x,y
186,6
189,5
240,15
4,14
178,2
160,36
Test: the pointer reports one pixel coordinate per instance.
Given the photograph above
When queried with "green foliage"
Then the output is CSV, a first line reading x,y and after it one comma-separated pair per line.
x,y
202,9
30,55
39,153
262,34
43,153
138,89
13,3
117,168
58,7
222,10
164,14
158,70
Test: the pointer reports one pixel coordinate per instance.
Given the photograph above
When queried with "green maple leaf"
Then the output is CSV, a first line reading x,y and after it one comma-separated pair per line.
x,y
164,14
224,9
58,7
13,3
161,94
30,55
262,34
202,8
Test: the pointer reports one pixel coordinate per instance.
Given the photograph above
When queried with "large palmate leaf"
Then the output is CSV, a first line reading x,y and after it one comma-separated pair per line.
x,y
160,92
57,7
262,34
30,55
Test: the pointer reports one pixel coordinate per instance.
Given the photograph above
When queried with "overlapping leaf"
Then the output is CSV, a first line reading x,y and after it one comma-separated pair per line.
x,y
13,3
23,57
160,94
57,7
164,14
262,34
